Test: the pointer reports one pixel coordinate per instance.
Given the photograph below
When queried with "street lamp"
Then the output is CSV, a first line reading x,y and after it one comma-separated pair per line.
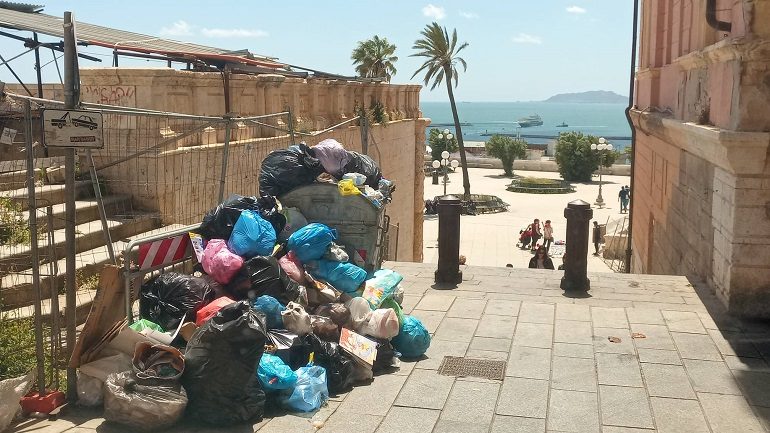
x,y
601,147
446,163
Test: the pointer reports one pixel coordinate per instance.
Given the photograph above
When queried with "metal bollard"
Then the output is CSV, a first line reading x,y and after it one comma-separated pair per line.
x,y
435,177
449,208
575,279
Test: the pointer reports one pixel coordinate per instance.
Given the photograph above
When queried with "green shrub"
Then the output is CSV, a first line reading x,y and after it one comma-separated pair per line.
x,y
439,145
17,347
507,149
13,225
576,160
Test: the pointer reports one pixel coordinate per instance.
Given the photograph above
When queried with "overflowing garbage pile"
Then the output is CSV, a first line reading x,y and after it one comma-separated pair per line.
x,y
277,315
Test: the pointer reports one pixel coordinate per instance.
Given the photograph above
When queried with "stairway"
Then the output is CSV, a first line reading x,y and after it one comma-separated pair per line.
x,y
17,293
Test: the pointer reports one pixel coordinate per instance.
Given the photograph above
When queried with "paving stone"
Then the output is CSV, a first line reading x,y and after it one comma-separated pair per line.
x,y
496,326
376,397
344,422
573,312
425,389
573,411
570,350
536,313
486,354
609,317
756,386
619,369
711,376
456,329
764,416
438,350
733,344
602,343
615,429
746,364
502,307
696,346
409,420
571,331
656,337
410,302
645,315
729,414
493,344
574,374
523,397
529,362
471,401
467,308
678,416
655,356
454,426
682,321
667,381
516,424
435,302
431,319
623,406
533,335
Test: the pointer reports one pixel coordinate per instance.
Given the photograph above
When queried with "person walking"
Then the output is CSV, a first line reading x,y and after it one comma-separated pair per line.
x,y
536,233
541,260
597,237
624,196
547,236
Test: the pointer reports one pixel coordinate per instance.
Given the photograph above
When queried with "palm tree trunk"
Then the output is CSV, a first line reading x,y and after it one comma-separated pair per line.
x,y
459,131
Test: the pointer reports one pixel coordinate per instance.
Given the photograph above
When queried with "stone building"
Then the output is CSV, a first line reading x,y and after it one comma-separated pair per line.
x,y
701,197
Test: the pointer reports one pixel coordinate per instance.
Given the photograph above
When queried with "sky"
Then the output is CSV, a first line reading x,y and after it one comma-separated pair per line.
x,y
519,50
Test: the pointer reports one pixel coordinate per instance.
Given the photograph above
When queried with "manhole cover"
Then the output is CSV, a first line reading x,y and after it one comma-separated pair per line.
x,y
462,367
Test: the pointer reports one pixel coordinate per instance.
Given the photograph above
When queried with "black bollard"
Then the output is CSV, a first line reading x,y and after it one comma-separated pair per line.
x,y
575,279
448,271
435,177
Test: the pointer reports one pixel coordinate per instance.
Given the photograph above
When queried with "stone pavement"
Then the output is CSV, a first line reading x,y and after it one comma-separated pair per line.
x,y
489,240
676,363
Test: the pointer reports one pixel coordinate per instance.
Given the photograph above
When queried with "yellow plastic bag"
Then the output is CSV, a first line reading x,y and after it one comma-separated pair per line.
x,y
347,187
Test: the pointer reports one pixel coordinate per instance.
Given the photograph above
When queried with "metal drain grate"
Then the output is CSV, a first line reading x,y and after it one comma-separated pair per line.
x,y
462,367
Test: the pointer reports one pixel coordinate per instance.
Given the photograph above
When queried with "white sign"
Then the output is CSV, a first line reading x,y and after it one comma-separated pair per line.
x,y
73,128
7,136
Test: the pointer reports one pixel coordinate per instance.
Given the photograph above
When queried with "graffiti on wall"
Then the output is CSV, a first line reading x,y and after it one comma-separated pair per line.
x,y
124,96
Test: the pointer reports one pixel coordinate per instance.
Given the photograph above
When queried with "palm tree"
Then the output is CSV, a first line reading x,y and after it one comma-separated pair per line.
x,y
441,54
374,58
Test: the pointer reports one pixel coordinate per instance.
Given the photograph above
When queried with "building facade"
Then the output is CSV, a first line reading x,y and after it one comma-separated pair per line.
x,y
701,197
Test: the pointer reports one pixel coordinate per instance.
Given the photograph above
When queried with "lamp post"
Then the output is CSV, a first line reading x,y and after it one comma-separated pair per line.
x,y
446,163
601,147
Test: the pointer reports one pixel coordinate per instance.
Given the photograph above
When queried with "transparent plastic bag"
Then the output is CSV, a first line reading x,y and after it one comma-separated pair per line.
x,y
381,323
90,392
142,407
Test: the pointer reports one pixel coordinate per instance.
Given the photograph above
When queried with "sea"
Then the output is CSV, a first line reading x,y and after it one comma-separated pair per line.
x,y
481,119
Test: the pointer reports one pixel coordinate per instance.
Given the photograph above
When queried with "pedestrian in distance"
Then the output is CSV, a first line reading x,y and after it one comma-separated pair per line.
x,y
536,233
547,236
597,237
624,196
541,260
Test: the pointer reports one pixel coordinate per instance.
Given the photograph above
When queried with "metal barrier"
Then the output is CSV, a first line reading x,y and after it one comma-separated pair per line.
x,y
154,253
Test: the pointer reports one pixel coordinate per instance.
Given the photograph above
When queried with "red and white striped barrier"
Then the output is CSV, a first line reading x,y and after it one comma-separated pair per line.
x,y
163,252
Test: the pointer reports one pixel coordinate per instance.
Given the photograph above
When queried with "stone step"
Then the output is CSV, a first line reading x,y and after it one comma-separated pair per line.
x,y
16,179
17,291
48,194
87,237
83,301
85,210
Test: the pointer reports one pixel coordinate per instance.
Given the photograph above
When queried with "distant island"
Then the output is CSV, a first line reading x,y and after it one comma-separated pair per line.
x,y
591,97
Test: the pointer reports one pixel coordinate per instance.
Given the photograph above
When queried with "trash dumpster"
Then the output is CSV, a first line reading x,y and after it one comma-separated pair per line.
x,y
361,225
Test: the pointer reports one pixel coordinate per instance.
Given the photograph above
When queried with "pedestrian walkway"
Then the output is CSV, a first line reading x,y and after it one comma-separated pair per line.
x,y
638,354
490,239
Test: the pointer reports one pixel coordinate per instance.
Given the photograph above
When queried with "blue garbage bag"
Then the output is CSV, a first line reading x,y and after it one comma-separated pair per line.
x,y
310,392
413,339
311,241
272,310
274,374
346,277
252,236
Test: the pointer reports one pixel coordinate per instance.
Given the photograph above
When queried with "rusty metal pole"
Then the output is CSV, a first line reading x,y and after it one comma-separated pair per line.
x,y
578,213
449,208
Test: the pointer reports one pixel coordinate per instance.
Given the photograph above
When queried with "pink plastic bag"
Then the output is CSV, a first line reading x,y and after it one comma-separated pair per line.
x,y
381,323
219,262
293,267
332,155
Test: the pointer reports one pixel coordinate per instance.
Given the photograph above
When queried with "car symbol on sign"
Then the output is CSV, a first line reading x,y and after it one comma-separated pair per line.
x,y
85,122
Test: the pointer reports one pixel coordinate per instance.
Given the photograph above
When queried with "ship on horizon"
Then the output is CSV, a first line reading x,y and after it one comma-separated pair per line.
x,y
526,122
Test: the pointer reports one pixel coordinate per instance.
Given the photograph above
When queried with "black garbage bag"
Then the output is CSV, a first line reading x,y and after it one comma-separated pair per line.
x,y
285,169
365,165
262,275
221,361
339,366
386,355
167,298
218,223
290,347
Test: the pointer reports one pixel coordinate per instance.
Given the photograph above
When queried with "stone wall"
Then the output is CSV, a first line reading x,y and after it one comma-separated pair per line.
x,y
701,199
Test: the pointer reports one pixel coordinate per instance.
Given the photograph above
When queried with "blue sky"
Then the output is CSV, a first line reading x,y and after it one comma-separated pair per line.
x,y
518,49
